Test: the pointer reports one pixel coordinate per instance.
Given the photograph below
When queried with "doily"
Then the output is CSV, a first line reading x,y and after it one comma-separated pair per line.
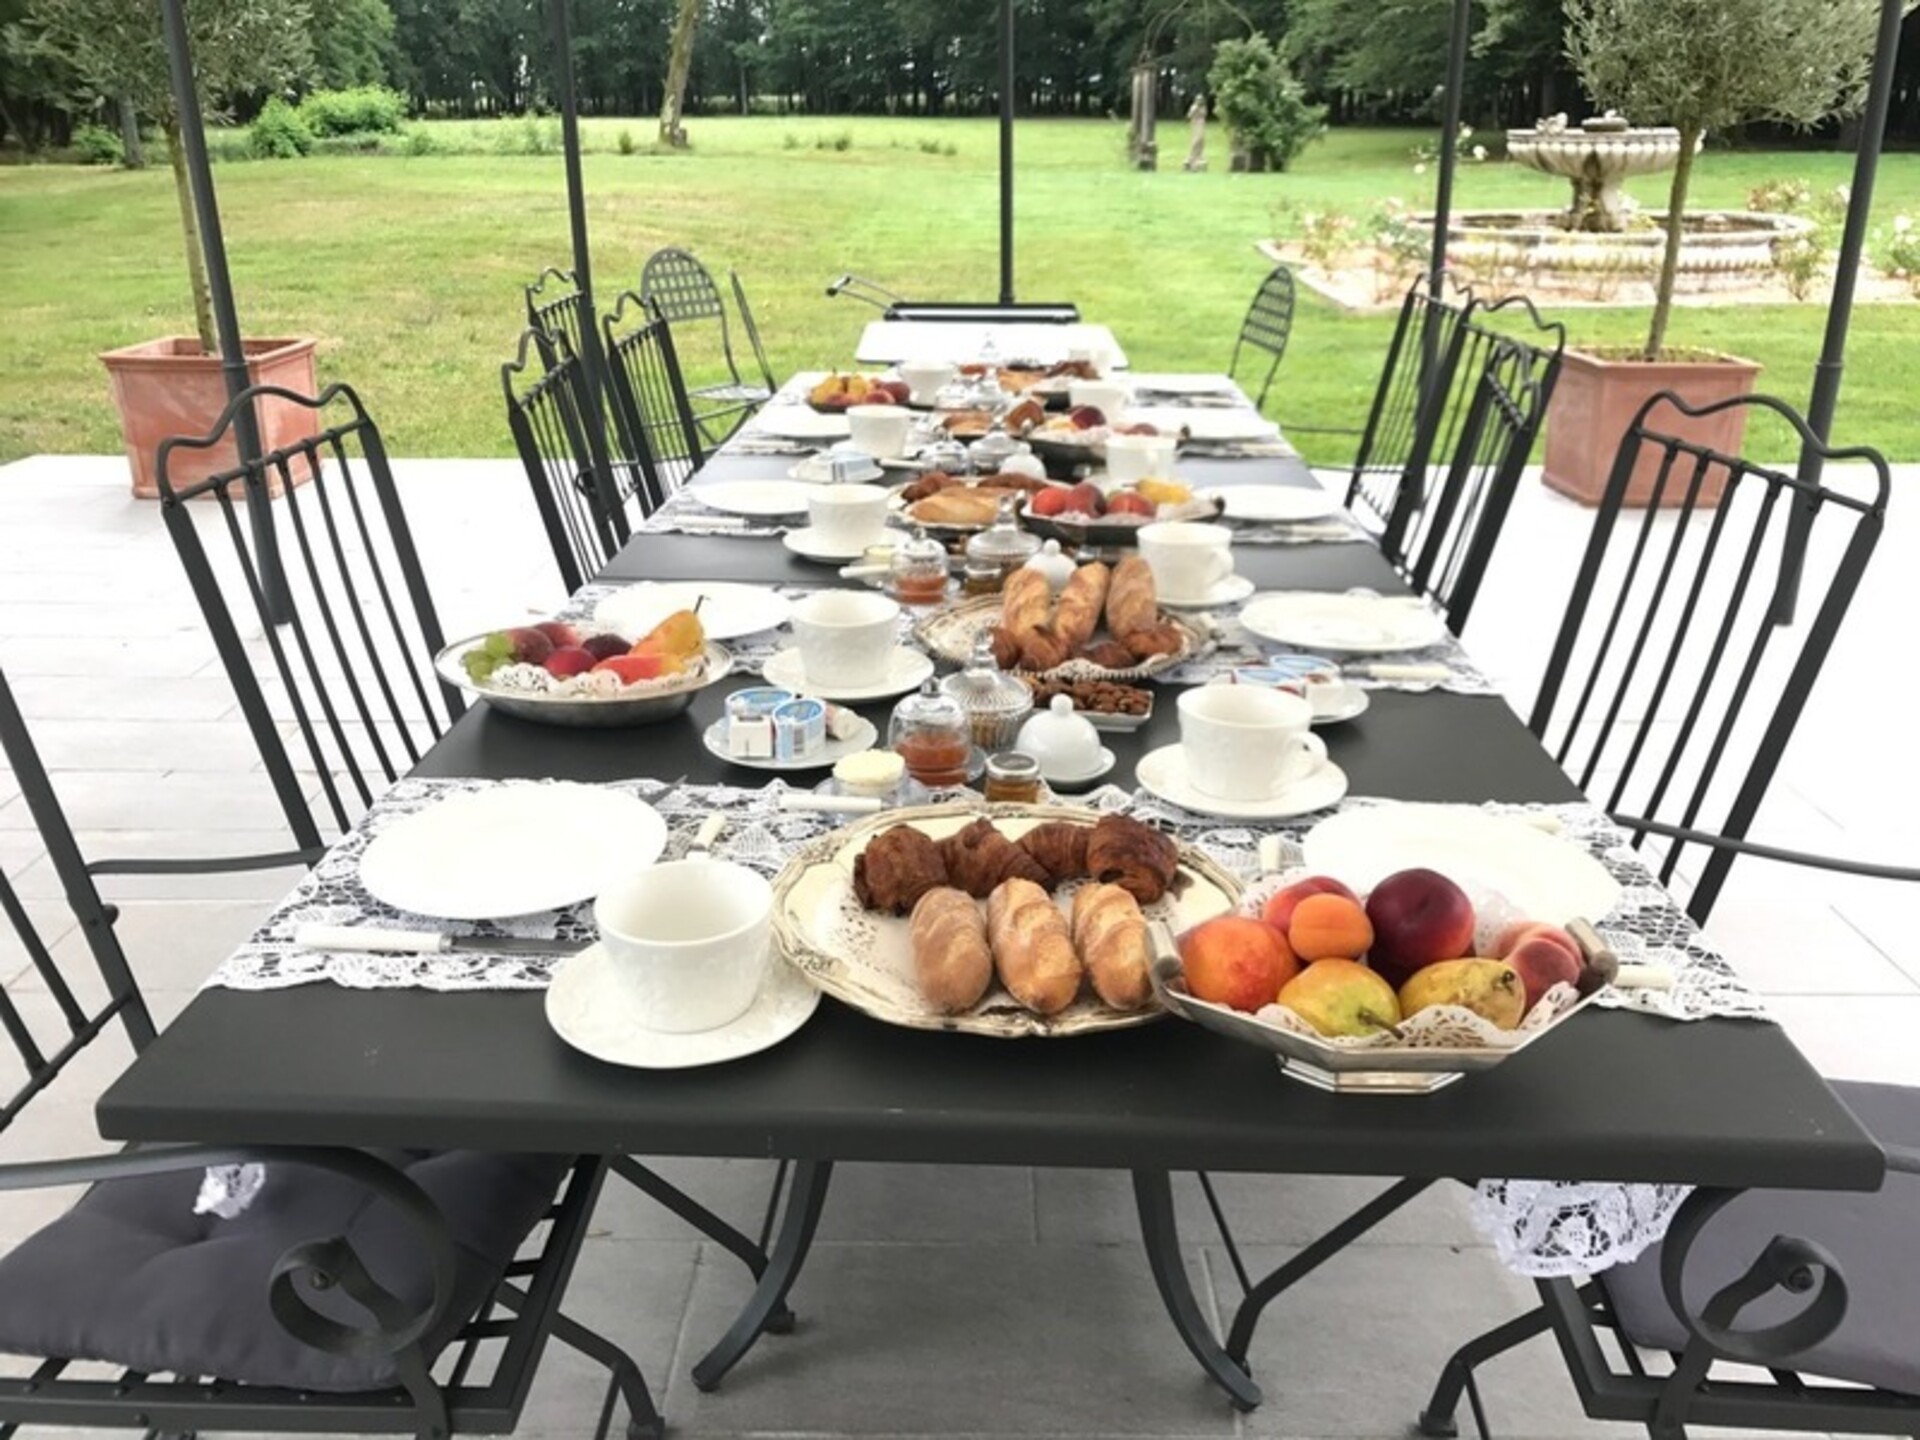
x,y
1572,1227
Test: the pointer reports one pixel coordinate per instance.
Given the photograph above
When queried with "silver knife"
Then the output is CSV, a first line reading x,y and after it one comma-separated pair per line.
x,y
373,938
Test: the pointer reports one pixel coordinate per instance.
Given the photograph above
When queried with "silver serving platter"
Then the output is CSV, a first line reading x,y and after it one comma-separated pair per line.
x,y
585,712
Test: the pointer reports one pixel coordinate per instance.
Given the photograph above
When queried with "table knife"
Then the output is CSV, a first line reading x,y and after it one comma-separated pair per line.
x,y
1411,674
373,938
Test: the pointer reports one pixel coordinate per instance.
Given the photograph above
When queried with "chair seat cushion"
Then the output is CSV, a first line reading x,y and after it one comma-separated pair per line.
x,y
1874,1237
131,1276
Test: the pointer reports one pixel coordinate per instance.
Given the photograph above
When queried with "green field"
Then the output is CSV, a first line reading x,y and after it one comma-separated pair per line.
x,y
409,269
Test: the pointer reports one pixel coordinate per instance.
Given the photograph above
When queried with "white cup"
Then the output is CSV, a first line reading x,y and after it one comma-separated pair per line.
x,y
1246,742
1110,397
926,379
846,637
849,517
880,430
1140,457
688,941
1188,560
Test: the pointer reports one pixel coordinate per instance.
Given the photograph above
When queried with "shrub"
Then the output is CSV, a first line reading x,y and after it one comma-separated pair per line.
x,y
839,140
347,145
1265,108
97,145
1900,252
1781,196
418,141
363,110
1802,263
789,141
625,143
278,132
1325,236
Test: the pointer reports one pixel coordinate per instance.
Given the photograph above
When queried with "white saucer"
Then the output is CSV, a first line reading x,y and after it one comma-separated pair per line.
x,y
1080,782
800,422
813,471
907,669
806,543
863,738
756,499
592,1013
1163,773
1230,591
1349,706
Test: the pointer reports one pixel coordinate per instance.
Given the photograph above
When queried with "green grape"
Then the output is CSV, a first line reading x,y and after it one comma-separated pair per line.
x,y
480,665
499,645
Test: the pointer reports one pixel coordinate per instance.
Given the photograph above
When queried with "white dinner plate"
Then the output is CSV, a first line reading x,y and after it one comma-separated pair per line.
x,y
807,543
727,610
1358,624
800,422
758,499
1277,504
511,849
864,737
589,1010
1163,773
1544,876
907,669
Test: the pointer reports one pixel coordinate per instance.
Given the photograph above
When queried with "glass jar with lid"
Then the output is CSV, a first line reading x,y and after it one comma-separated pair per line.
x,y
992,450
1003,547
917,573
929,732
994,702
947,455
1012,778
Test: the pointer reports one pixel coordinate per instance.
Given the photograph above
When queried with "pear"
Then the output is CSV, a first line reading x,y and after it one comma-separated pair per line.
x,y
1341,997
676,640
1491,989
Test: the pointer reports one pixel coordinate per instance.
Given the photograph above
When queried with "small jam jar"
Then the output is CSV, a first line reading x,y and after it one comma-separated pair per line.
x,y
994,701
918,571
1013,779
929,732
1002,548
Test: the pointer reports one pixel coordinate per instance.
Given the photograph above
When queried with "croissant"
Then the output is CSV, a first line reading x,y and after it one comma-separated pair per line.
x,y
951,957
1108,655
1061,848
1164,638
1006,649
1032,947
1044,648
1132,601
1111,935
897,868
979,857
1139,859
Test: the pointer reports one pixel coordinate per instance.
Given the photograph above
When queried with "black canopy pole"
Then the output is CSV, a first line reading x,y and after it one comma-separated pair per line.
x,y
1451,103
213,250
593,357
1006,152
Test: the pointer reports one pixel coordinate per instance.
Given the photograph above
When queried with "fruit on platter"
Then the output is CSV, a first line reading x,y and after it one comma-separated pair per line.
x,y
1329,927
1049,502
1164,492
568,661
1341,998
522,645
1086,499
1545,956
674,643
1278,911
1490,988
1130,502
1419,918
839,392
634,668
1237,961
559,632
1086,417
605,647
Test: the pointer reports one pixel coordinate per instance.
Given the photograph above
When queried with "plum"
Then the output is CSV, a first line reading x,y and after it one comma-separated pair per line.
x,y
605,647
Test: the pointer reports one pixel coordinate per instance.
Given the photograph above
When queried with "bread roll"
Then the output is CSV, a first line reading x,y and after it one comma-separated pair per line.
x,y
1111,935
1026,600
1132,601
1032,947
951,958
1078,609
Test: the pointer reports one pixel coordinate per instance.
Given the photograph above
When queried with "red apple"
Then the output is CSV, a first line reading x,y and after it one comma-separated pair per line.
x,y
1419,917
1278,911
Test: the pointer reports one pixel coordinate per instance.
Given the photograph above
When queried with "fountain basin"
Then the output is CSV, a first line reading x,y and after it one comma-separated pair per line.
x,y
1719,249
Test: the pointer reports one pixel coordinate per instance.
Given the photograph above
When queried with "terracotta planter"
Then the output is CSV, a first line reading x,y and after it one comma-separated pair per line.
x,y
1595,401
170,387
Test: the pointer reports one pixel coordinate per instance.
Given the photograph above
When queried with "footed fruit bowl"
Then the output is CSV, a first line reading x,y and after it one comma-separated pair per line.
x,y
581,705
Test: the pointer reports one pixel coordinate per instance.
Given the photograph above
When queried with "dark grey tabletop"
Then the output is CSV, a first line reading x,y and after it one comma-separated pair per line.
x,y
1611,1096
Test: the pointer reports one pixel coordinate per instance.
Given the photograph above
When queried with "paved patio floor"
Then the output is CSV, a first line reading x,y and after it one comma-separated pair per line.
x,y
938,1302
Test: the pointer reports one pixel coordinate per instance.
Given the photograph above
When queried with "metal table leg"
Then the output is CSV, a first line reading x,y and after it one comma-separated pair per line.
x,y
806,1198
1160,1233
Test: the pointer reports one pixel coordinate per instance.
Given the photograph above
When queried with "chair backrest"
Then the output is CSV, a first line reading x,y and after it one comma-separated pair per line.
x,y
350,644
554,310
650,405
1266,328
57,1022
1415,384
682,291
752,328
1672,688
545,389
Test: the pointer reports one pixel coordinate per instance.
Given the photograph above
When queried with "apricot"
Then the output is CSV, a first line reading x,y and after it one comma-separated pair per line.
x,y
1329,927
1237,961
1278,911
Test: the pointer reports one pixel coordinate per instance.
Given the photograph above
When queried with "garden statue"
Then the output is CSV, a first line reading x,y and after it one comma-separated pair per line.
x,y
1197,133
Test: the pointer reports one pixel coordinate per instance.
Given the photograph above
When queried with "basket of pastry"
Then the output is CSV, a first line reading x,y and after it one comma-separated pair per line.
x,y
1105,624
941,501
1015,920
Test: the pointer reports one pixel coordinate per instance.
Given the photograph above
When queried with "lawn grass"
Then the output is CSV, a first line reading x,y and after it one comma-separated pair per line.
x,y
408,269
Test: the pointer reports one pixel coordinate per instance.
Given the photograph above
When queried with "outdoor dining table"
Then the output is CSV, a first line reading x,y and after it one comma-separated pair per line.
x,y
957,342
1612,1095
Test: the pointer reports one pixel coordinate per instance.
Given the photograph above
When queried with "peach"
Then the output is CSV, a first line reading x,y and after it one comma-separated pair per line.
x,y
1278,911
1419,917
1236,960
1520,930
1329,927
1543,962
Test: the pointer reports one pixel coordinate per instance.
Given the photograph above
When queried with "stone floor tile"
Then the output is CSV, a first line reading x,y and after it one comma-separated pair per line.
x,y
143,745
181,652
113,800
170,945
155,697
1855,1039
906,1339
1784,946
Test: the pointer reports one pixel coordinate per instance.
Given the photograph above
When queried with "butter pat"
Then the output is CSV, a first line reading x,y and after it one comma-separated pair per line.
x,y
871,772
750,737
842,723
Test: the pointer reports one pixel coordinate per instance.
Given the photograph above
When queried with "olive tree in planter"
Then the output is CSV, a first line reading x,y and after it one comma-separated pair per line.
x,y
1700,66
173,385
1264,106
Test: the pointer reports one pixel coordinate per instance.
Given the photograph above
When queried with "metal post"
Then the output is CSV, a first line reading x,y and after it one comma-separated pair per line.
x,y
1006,152
233,359
593,358
1833,352
1449,134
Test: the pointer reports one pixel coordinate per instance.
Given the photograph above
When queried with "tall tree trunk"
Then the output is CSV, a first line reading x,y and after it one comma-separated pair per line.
x,y
133,156
679,63
190,232
1670,259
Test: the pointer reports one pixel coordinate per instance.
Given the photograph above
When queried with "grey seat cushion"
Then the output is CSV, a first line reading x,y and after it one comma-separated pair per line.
x,y
1875,1238
130,1275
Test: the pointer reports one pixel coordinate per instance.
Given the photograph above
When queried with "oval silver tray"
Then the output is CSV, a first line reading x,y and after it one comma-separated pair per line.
x,y
585,712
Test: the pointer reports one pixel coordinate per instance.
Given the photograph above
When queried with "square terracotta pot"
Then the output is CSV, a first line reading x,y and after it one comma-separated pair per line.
x,y
1595,401
171,387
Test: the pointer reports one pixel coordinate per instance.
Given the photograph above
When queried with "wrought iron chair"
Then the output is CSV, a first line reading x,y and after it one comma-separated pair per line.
x,y
554,310
545,415
1266,329
752,327
353,665
652,410
683,292
403,1292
